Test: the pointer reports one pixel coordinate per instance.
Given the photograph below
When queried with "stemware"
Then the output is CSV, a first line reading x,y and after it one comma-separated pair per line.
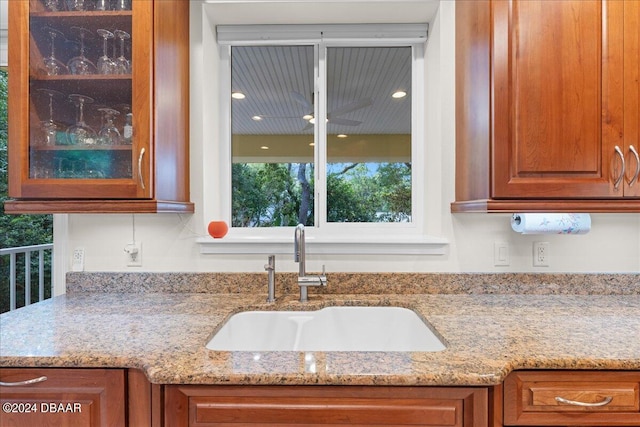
x,y
81,133
123,65
80,64
102,5
109,133
53,65
123,5
53,5
49,127
77,5
105,64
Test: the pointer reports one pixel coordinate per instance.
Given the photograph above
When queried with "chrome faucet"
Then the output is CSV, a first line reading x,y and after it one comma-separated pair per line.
x,y
305,281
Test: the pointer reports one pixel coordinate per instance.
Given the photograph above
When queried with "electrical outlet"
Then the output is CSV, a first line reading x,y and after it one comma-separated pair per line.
x,y
133,252
500,254
541,254
77,261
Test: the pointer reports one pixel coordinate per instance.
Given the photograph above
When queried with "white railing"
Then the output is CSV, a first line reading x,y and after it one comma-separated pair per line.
x,y
13,253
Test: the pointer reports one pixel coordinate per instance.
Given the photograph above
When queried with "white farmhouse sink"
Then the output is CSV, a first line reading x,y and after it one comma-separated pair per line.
x,y
329,329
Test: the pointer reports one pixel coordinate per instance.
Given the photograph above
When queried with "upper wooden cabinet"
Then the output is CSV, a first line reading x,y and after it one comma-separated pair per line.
x,y
547,105
98,106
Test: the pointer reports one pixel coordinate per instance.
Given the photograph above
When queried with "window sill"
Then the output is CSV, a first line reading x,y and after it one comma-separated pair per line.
x,y
426,245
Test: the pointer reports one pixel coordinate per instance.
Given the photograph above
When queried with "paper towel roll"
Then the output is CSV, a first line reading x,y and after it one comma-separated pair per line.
x,y
547,223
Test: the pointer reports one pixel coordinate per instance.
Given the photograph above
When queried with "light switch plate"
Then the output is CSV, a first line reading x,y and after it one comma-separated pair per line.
x,y
500,254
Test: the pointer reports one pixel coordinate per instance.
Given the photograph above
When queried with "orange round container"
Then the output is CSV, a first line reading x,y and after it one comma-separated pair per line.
x,y
218,229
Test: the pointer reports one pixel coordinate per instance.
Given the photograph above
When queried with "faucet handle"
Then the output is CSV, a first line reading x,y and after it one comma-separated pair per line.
x,y
272,263
323,277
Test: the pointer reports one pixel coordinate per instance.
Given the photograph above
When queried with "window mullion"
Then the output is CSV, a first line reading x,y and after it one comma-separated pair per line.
x,y
321,135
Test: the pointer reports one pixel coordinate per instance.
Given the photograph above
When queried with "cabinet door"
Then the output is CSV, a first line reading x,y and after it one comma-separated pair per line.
x,y
557,104
79,86
632,97
325,405
62,397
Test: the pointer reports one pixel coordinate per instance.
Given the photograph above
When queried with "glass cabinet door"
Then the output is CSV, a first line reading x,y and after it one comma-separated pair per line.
x,y
80,89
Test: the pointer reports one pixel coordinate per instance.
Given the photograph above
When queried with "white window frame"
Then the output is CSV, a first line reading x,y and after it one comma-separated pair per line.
x,y
326,237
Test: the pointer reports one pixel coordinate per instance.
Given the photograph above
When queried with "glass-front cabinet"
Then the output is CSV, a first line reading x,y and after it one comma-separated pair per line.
x,y
91,127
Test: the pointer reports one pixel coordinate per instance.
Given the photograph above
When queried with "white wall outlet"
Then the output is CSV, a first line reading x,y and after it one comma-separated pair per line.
x,y
77,260
541,254
133,252
500,254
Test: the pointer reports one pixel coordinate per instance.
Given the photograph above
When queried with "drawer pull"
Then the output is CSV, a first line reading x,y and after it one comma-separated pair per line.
x,y
25,382
604,402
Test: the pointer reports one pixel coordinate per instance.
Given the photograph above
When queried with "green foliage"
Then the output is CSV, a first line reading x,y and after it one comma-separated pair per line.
x,y
274,195
267,195
18,230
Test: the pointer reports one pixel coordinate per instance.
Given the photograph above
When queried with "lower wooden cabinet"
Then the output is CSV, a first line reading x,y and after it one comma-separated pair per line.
x,y
62,397
35,397
200,406
572,398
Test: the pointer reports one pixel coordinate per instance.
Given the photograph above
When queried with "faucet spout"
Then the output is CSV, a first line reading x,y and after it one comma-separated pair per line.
x,y
304,280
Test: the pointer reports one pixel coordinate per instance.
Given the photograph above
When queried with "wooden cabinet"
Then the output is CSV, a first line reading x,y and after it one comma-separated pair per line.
x,y
78,397
325,405
74,397
572,398
547,105
98,106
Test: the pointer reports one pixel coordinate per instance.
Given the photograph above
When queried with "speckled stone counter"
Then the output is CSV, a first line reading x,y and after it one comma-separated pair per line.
x,y
489,330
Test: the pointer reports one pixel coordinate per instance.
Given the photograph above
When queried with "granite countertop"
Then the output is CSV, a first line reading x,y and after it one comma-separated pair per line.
x,y
164,334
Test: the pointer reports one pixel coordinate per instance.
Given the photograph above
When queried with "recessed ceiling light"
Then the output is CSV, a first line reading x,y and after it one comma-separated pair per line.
x,y
312,144
341,135
312,120
264,147
237,95
308,116
256,118
399,94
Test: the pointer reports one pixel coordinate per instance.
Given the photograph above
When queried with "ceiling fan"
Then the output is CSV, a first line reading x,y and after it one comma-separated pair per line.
x,y
333,116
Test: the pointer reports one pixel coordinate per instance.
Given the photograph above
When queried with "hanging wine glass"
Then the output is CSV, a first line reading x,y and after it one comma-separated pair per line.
x,y
53,65
80,64
123,65
109,133
81,133
49,127
105,64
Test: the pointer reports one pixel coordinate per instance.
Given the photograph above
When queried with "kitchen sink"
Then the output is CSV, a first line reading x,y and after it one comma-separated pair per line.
x,y
329,329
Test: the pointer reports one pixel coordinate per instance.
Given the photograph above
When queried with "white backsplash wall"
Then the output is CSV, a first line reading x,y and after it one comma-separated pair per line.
x,y
168,240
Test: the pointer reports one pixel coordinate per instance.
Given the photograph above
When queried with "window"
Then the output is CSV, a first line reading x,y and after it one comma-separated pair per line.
x,y
324,126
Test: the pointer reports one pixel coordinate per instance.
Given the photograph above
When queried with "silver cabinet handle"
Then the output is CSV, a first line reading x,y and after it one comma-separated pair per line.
x,y
25,382
604,402
635,175
140,177
619,179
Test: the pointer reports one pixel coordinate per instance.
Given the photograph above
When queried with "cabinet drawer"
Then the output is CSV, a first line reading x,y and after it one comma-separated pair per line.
x,y
572,398
62,397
